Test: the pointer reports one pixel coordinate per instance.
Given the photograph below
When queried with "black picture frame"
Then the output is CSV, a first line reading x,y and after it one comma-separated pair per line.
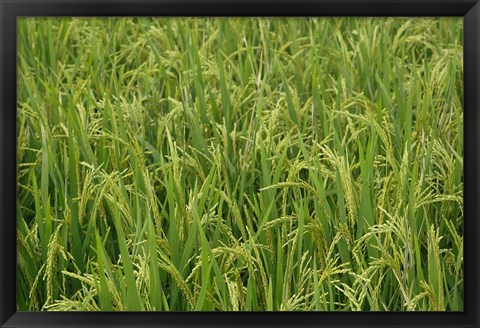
x,y
10,10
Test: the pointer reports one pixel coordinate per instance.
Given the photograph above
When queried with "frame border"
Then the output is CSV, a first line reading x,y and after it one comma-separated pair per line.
x,y
11,9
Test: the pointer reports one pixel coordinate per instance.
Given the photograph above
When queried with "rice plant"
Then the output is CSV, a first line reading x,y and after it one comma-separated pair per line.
x,y
240,164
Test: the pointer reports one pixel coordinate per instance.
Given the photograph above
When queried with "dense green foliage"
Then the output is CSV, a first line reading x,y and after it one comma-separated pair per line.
x,y
240,164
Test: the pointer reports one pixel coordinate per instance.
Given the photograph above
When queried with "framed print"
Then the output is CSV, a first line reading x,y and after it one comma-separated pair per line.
x,y
239,163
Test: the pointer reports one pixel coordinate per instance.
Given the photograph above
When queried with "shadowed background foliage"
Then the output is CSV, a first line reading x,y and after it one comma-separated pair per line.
x,y
240,164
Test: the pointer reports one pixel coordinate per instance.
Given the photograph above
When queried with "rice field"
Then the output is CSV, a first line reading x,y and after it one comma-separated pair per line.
x,y
240,164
